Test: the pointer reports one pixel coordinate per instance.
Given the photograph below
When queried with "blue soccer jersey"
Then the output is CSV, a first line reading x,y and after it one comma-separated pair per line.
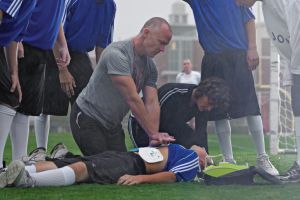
x,y
184,163
89,23
12,27
221,24
44,24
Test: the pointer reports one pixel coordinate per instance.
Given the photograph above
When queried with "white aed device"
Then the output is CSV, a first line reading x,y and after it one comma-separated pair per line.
x,y
150,154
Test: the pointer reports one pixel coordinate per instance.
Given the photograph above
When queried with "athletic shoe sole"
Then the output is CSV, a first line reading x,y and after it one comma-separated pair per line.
x,y
12,172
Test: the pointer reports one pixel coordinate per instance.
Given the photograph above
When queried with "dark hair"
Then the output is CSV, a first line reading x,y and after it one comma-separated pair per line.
x,y
216,90
156,22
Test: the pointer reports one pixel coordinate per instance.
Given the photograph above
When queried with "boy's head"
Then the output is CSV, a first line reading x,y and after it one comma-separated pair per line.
x,y
212,93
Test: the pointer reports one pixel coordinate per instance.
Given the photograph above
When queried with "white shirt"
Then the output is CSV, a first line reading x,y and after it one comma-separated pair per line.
x,y
283,24
192,78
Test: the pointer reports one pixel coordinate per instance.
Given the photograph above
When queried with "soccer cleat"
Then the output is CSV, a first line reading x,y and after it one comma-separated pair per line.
x,y
59,151
24,180
8,176
264,163
292,175
38,154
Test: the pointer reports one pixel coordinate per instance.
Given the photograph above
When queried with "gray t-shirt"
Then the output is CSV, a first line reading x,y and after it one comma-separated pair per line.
x,y
100,99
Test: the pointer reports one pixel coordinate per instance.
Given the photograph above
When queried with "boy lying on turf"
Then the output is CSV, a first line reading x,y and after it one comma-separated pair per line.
x,y
159,165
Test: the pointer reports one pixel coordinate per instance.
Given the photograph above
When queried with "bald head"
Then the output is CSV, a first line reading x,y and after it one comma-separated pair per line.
x,y
155,23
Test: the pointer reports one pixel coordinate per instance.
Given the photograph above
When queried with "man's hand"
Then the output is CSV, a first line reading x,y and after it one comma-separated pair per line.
x,y
67,82
129,180
160,138
252,59
15,84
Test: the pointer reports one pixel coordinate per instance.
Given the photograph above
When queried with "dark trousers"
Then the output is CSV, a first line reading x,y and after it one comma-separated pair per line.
x,y
91,137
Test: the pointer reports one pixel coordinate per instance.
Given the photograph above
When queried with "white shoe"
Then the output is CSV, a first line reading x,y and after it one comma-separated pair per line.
x,y
8,176
24,180
264,163
38,154
59,151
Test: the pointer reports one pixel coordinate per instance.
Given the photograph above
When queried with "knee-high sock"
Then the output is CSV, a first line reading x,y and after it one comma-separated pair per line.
x,y
223,130
256,129
6,118
297,126
19,136
41,127
55,177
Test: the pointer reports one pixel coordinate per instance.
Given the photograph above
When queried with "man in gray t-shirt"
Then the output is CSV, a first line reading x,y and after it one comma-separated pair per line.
x,y
124,69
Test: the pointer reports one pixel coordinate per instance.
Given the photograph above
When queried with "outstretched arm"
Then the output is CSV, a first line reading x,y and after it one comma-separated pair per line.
x,y
127,88
161,177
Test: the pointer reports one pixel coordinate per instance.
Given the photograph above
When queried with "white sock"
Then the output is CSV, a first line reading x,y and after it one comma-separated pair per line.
x,y
6,118
30,168
55,177
223,130
256,129
41,127
297,127
19,136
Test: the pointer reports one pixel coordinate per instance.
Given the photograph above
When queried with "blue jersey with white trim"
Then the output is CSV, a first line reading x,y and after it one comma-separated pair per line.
x,y
44,24
12,28
184,163
10,7
89,23
221,24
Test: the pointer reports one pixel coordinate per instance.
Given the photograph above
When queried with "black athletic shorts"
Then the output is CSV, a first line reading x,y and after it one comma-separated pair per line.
x,y
40,84
232,66
109,166
8,98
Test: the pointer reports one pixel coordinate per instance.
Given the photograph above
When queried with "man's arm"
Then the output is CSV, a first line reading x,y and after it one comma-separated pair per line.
x,y
11,56
252,55
1,16
152,105
67,81
98,52
161,177
127,88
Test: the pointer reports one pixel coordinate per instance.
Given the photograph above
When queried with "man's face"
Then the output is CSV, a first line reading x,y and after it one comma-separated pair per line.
x,y
203,104
187,66
156,40
248,3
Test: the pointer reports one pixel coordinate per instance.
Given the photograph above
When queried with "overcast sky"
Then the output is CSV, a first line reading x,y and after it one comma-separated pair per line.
x,y
131,15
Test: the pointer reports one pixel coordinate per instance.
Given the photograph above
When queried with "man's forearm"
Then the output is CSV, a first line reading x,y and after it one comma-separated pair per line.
x,y
251,34
11,56
162,177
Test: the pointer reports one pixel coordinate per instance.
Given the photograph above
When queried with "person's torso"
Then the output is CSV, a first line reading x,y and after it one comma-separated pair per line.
x,y
44,24
101,99
89,23
192,78
220,24
176,103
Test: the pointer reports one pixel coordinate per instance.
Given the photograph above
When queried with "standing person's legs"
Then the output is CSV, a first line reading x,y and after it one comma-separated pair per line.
x,y
223,130
8,102
41,128
6,118
32,68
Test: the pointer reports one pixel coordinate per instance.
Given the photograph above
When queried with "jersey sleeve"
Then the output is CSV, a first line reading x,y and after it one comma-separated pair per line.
x,y
116,62
247,14
186,168
11,7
